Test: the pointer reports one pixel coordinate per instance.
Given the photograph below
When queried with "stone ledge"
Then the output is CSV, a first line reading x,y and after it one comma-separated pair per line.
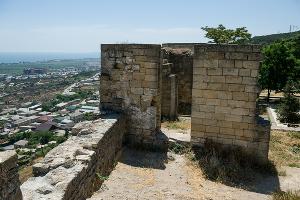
x,y
70,171
131,46
247,48
6,155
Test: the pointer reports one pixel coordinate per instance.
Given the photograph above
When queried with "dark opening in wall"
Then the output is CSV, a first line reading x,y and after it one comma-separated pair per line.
x,y
179,61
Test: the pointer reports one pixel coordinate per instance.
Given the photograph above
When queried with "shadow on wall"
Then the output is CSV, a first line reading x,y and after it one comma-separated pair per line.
x,y
144,159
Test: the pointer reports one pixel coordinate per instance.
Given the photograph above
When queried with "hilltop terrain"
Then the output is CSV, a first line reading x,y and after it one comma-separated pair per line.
x,y
268,39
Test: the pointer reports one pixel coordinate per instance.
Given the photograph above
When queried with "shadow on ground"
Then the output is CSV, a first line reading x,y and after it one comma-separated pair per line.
x,y
231,170
235,169
144,159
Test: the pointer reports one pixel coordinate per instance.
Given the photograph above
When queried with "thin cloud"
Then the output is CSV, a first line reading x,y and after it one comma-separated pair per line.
x,y
88,37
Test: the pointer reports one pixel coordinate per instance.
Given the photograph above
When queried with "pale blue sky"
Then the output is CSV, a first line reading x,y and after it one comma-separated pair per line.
x,y
81,25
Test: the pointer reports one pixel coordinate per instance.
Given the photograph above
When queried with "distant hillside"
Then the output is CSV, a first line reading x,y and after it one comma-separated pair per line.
x,y
267,39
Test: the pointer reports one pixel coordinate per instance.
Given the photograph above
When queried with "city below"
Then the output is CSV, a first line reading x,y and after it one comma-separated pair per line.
x,y
40,105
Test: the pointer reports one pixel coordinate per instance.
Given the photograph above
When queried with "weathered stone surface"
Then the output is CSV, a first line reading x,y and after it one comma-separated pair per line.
x,y
139,97
9,177
72,169
224,98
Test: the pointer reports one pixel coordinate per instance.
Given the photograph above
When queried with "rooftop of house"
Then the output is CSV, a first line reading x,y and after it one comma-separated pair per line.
x,y
46,126
45,118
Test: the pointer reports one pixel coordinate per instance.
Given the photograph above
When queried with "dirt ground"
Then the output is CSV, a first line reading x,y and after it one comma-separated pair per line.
x,y
157,176
153,175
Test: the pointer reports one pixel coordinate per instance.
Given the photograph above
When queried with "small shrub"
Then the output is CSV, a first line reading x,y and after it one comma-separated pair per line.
x,y
282,173
89,116
39,153
289,195
295,149
294,134
60,139
102,178
178,148
289,106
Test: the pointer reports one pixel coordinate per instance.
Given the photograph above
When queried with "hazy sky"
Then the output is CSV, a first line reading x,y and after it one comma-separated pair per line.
x,y
81,25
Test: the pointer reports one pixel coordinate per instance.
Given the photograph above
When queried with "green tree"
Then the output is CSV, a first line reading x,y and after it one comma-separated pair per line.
x,y
278,66
89,116
222,35
289,106
294,45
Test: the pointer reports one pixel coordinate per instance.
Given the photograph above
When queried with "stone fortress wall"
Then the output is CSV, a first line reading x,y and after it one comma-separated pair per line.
x,y
189,46
132,96
131,82
225,90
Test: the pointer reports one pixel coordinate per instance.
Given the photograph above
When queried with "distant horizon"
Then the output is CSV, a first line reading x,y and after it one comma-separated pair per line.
x,y
62,52
17,57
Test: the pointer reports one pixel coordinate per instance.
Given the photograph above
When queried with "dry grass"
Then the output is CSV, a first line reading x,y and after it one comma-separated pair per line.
x,y
233,167
286,195
230,166
285,148
264,93
181,124
26,172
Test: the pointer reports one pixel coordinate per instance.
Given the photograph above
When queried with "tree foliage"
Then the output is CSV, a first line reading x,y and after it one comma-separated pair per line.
x,y
35,138
269,39
80,94
281,63
289,106
222,35
89,116
278,66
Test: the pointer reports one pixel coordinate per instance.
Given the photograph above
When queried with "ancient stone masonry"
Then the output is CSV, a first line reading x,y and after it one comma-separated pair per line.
x,y
189,46
138,83
181,58
76,168
225,90
9,177
169,94
131,83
